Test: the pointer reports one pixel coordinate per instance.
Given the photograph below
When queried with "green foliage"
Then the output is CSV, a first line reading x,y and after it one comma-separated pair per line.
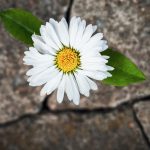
x,y
20,24
125,72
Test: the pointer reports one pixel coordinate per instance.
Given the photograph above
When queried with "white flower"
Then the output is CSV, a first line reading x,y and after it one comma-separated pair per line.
x,y
67,59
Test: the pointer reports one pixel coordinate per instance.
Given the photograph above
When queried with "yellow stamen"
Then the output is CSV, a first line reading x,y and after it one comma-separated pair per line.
x,y
67,60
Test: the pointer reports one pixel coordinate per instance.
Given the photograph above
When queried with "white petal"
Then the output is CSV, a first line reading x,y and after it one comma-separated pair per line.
x,y
30,61
97,75
82,84
87,34
97,59
68,88
92,84
61,29
50,72
43,77
40,45
35,55
95,41
51,85
55,27
63,32
53,34
110,68
76,95
73,28
65,23
61,89
94,28
35,70
105,57
103,45
48,38
54,23
39,60
93,66
79,35
90,54
108,74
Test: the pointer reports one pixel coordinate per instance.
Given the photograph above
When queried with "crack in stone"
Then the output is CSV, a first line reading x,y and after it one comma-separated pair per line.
x,y
44,104
68,12
145,137
75,111
46,110
129,103
13,122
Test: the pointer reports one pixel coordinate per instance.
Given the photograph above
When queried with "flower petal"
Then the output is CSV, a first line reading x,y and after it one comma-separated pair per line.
x,y
76,95
34,58
41,46
43,77
95,41
97,75
87,35
63,32
82,84
73,28
79,34
51,85
68,88
61,89
48,39
92,84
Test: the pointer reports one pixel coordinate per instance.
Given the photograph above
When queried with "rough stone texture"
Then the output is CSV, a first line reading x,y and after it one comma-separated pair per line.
x,y
94,131
16,97
125,24
42,8
143,114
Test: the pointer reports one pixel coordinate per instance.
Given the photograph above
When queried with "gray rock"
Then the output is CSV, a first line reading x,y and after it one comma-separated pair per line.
x,y
93,131
125,24
43,9
16,97
143,114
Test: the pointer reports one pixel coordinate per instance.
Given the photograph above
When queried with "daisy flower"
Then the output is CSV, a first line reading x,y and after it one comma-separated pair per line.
x,y
67,58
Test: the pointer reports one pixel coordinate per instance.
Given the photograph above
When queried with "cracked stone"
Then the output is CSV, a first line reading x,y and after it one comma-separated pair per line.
x,y
125,25
71,131
143,114
16,97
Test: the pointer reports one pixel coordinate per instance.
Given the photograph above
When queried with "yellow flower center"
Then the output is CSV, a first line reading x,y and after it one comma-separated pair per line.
x,y
67,60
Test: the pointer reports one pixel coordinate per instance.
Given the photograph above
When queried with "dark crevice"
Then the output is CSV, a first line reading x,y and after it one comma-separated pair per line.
x,y
68,12
85,110
45,110
145,137
13,122
139,99
66,111
44,107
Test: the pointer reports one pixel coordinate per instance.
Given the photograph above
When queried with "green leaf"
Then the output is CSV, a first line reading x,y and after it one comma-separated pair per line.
x,y
20,24
125,72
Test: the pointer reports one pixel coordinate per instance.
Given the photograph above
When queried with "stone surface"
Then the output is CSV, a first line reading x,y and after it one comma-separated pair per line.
x,y
42,8
71,131
143,114
126,26
16,97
